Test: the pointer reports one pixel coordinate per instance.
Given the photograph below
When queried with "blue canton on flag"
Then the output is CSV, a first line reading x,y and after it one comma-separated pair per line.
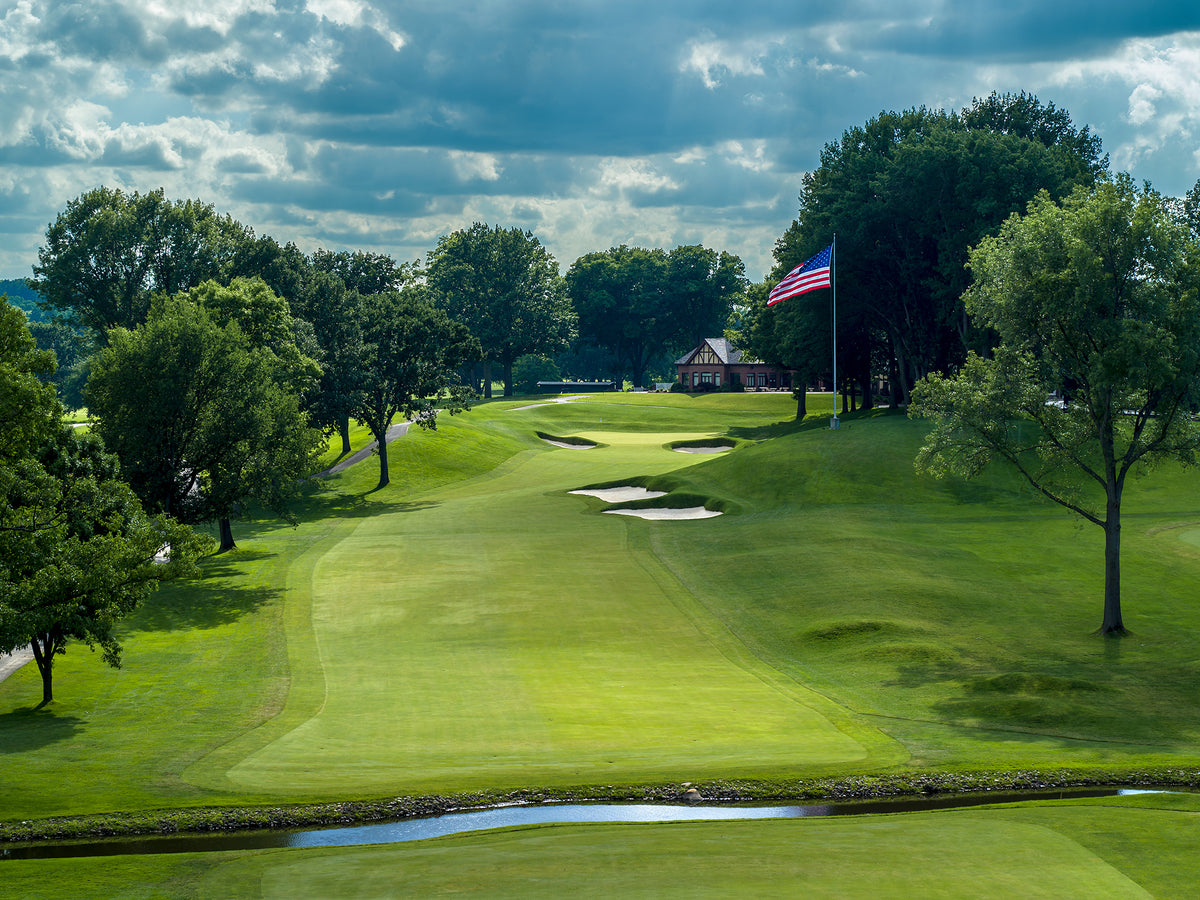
x,y
810,276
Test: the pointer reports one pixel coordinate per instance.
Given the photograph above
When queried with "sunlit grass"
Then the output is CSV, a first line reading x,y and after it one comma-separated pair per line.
x,y
1124,847
475,626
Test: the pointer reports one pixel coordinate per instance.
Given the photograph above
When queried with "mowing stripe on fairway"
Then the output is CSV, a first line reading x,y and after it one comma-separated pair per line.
x,y
503,633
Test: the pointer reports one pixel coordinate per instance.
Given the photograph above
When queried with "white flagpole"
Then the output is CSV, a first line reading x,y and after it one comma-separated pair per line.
x,y
833,423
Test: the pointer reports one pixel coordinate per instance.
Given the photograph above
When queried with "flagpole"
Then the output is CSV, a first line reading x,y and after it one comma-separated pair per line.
x,y
833,423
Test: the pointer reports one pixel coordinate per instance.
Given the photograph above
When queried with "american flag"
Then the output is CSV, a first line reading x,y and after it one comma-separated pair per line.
x,y
810,276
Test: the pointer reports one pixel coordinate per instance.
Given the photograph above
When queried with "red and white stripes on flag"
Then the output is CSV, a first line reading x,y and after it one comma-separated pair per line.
x,y
810,276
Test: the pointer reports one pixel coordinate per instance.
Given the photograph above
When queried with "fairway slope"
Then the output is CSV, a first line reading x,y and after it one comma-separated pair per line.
x,y
497,637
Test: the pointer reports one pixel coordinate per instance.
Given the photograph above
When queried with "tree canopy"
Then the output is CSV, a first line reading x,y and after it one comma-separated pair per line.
x,y
77,552
108,252
505,287
906,195
407,366
1096,304
639,304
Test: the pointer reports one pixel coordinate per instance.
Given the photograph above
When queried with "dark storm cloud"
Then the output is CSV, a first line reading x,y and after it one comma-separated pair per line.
x,y
1032,29
376,120
100,31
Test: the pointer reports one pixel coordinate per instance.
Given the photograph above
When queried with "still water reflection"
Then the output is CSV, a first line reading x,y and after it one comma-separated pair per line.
x,y
502,817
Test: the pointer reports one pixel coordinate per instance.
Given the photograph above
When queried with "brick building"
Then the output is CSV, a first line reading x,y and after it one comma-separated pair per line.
x,y
715,364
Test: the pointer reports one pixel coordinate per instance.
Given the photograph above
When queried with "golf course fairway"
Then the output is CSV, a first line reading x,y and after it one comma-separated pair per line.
x,y
475,632
500,633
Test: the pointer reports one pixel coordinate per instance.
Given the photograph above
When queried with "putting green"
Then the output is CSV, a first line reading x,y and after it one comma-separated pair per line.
x,y
499,631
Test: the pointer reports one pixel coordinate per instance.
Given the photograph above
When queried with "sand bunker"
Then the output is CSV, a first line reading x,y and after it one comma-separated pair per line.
x,y
620,494
548,402
701,449
691,512
567,446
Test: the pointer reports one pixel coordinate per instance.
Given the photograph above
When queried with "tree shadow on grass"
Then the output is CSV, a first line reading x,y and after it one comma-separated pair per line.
x,y
319,502
1033,700
221,596
32,727
205,603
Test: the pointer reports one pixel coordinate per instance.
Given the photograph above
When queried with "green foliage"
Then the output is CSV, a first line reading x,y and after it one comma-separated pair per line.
x,y
504,286
1095,301
366,273
530,369
77,553
108,252
906,195
23,297
639,304
202,418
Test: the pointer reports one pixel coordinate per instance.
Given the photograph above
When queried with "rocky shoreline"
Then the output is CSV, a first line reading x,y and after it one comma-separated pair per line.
x,y
356,812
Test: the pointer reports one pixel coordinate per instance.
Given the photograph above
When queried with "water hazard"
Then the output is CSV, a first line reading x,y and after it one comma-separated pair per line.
x,y
509,816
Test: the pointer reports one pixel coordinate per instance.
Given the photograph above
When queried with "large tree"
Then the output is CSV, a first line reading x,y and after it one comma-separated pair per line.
x,y
1096,301
906,195
108,252
702,286
76,550
333,311
203,418
621,298
640,304
505,287
410,352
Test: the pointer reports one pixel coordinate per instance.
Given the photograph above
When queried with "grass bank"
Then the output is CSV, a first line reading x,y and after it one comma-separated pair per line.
x,y
1127,847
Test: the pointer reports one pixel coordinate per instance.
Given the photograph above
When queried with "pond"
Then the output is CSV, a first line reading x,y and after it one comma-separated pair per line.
x,y
508,816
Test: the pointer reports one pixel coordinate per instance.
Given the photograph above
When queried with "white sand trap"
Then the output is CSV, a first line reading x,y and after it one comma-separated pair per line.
x,y
567,446
620,494
701,449
691,512
548,402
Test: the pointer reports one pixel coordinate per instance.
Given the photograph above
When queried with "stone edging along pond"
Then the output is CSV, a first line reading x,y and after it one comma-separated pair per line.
x,y
861,788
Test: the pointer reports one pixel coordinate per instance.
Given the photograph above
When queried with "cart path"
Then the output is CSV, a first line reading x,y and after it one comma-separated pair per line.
x,y
10,662
394,431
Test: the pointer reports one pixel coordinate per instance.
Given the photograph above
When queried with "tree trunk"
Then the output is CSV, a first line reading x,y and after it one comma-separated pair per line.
x,y
381,446
1112,623
43,655
801,395
344,431
508,381
487,386
868,400
226,531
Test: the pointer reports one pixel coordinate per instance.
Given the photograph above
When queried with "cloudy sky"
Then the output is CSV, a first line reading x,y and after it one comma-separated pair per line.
x,y
381,125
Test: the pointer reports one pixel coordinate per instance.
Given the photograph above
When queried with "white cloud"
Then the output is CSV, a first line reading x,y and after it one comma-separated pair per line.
x,y
357,14
219,15
1141,103
712,58
472,166
624,174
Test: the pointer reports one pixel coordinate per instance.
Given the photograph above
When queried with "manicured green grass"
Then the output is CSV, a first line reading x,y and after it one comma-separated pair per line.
x,y
475,627
1132,847
956,617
